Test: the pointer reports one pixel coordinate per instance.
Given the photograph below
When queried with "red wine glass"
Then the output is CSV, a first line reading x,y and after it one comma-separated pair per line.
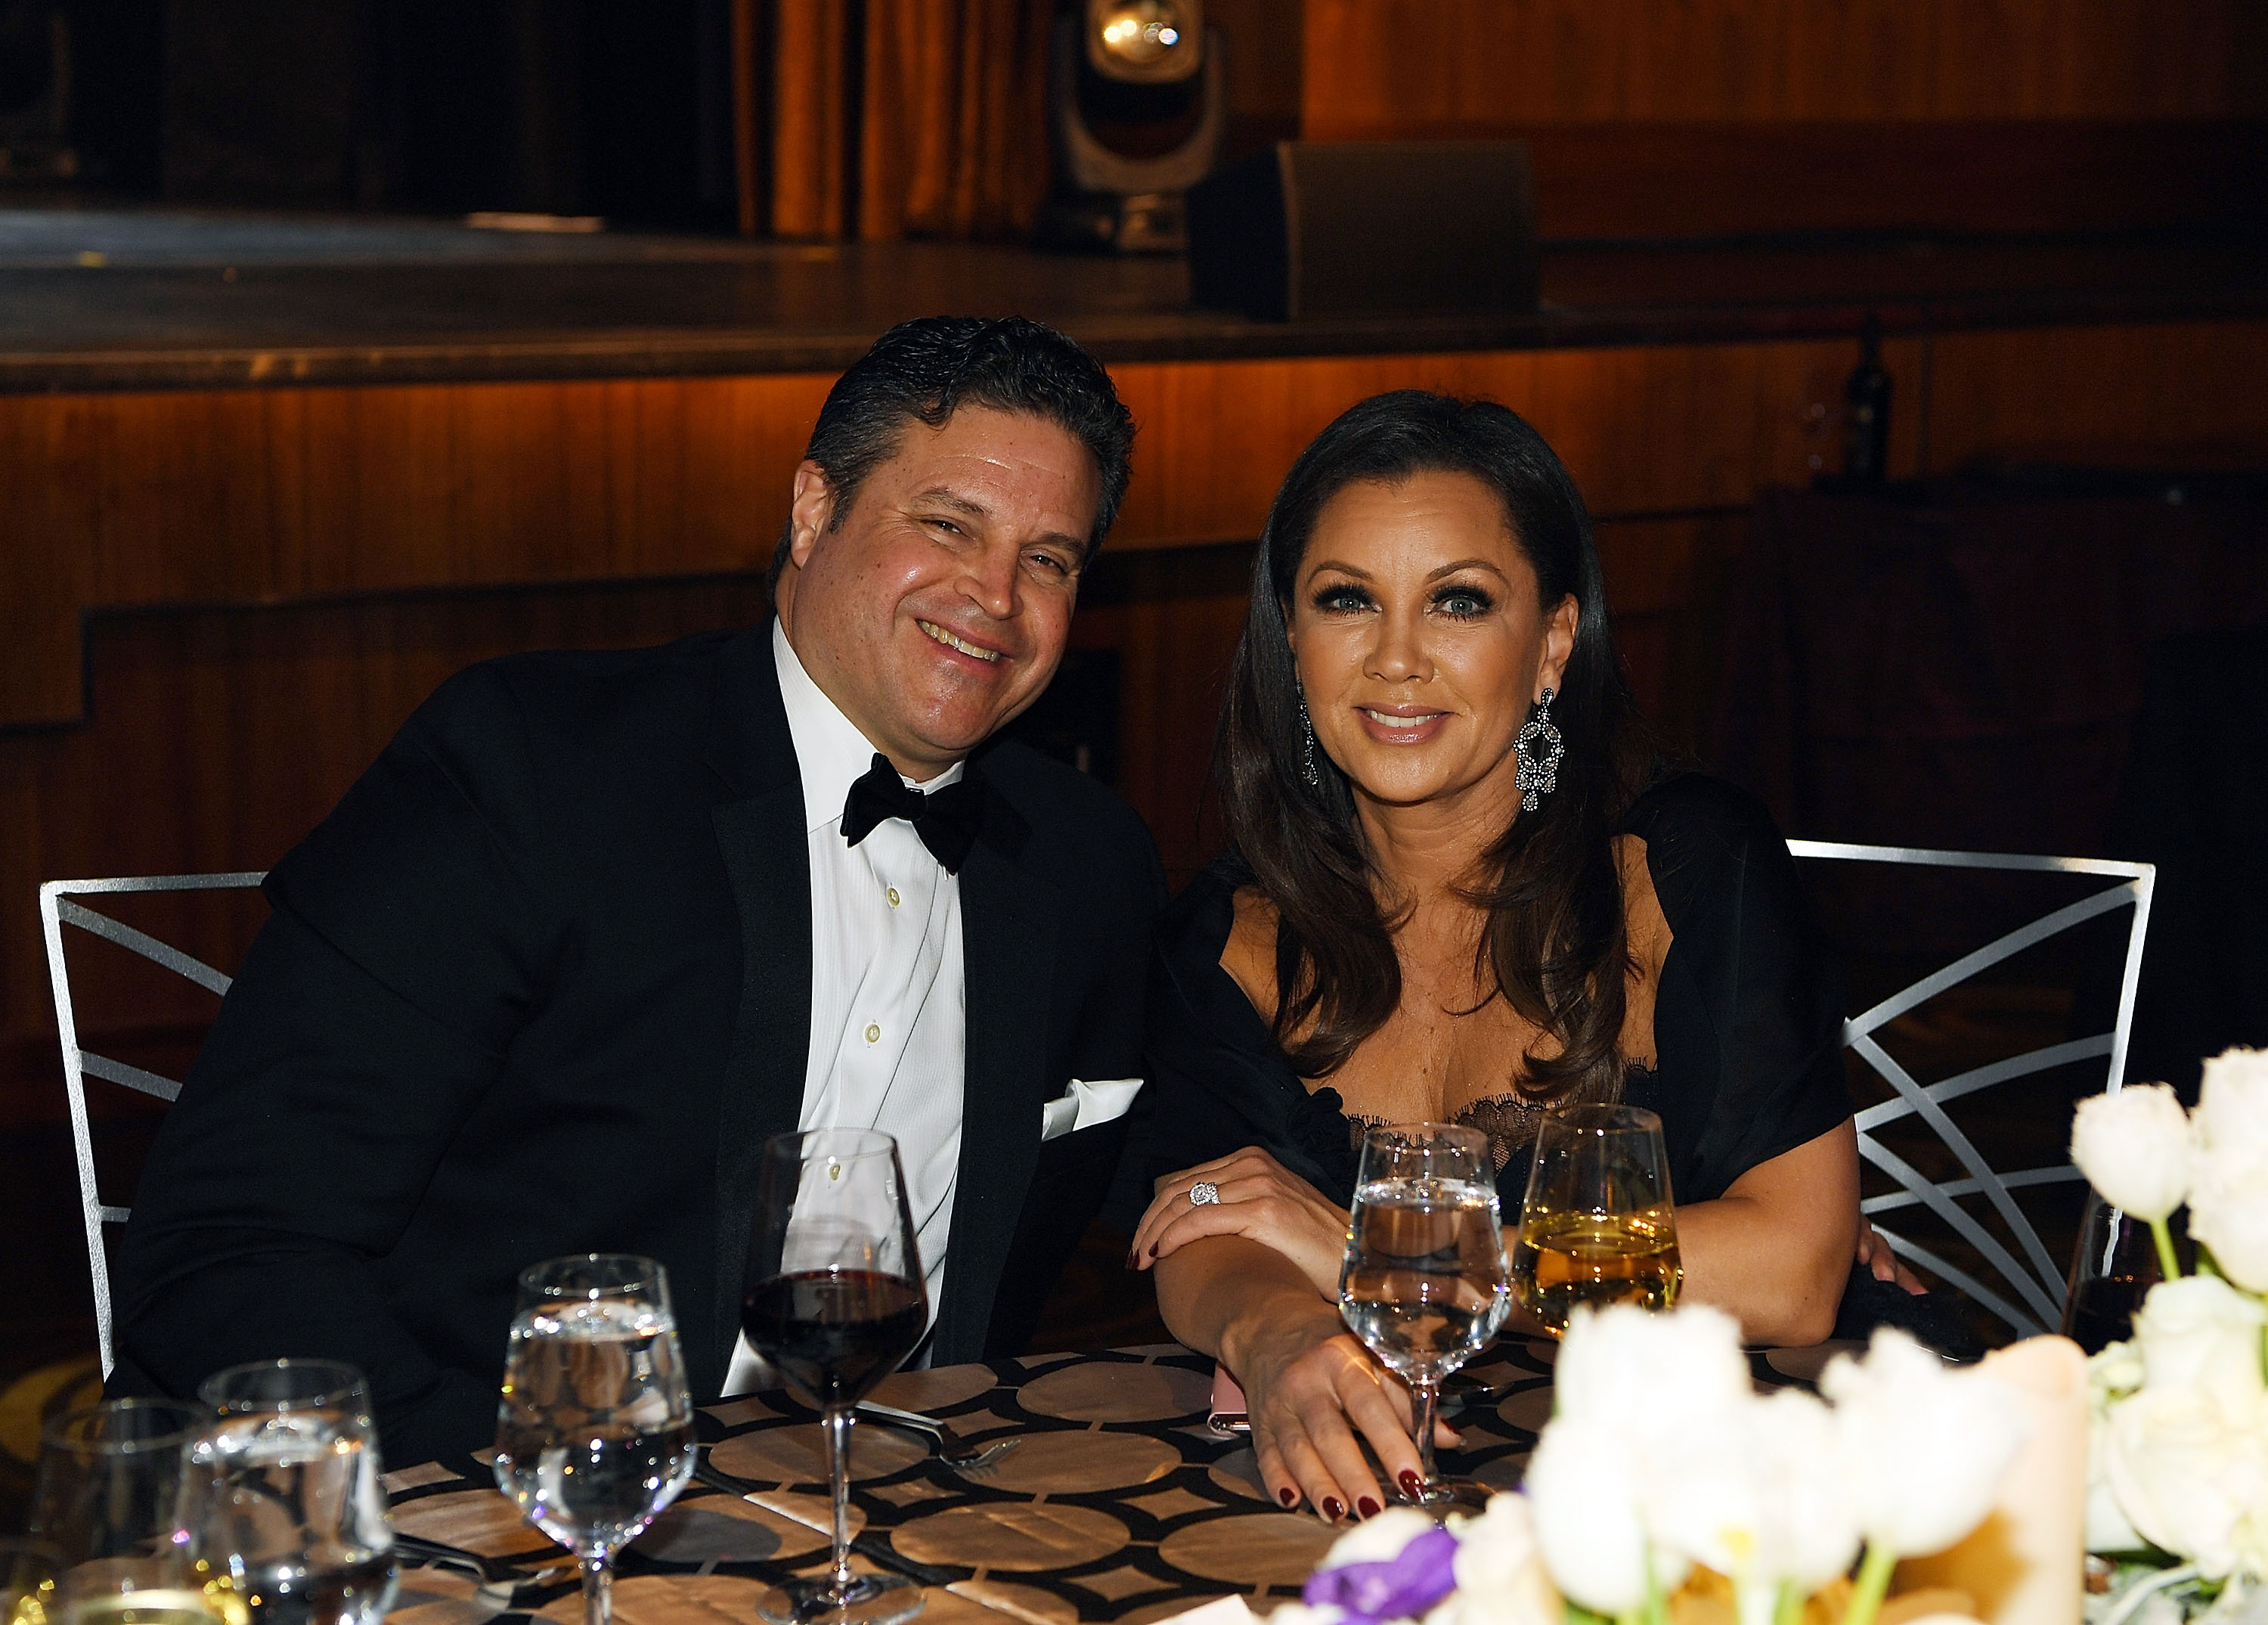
x,y
835,1301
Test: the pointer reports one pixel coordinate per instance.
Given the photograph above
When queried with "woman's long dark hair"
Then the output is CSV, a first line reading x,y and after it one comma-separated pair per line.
x,y
1555,939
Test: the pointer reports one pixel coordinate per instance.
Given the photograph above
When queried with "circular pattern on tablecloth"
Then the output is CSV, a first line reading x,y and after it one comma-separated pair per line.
x,y
1010,1535
934,1390
797,1455
1069,1463
1259,1549
721,1528
670,1600
1027,1603
1105,1390
1527,1410
1239,1474
473,1521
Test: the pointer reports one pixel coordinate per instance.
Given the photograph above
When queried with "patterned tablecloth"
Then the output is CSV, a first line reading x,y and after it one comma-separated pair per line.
x,y
1119,1502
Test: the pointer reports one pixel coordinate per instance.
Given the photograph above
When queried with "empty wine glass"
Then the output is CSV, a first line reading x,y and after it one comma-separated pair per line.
x,y
836,1300
594,1432
1597,1226
105,1507
1424,1283
283,1507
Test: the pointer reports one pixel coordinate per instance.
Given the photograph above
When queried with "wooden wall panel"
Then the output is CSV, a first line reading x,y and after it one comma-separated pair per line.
x,y
460,523
1375,67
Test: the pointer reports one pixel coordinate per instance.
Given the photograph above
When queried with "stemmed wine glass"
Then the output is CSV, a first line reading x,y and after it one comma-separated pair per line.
x,y
282,1505
1424,1285
594,1432
836,1300
1597,1225
106,1506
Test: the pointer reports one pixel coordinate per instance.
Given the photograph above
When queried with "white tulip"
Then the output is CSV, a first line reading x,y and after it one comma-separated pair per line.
x,y
2134,1147
1586,1493
2228,1211
2111,1376
1650,1374
2186,1473
2114,1373
1501,1579
1767,1505
2201,1332
2233,1103
1924,1445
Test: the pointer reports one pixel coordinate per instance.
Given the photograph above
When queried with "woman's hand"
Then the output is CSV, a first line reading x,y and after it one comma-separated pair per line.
x,y
1874,1254
1259,1201
1310,1387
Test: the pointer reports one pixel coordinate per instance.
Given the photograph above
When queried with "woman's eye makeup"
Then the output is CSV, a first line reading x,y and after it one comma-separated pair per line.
x,y
1341,597
1464,601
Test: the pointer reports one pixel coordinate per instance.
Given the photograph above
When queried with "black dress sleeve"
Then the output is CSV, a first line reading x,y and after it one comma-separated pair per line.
x,y
1221,1082
1749,1017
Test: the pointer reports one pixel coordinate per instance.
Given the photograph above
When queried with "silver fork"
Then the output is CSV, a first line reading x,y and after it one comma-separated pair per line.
x,y
968,1459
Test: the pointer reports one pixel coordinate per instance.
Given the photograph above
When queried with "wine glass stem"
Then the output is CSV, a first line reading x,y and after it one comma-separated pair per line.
x,y
837,1426
598,1590
1429,1399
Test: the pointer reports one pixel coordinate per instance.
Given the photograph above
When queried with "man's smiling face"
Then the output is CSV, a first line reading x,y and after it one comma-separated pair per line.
x,y
937,608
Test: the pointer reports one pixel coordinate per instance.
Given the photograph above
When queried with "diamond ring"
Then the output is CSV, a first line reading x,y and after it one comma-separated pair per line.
x,y
1204,1194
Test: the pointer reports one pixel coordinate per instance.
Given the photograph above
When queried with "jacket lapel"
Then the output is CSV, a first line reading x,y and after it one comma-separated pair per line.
x,y
759,834
1008,949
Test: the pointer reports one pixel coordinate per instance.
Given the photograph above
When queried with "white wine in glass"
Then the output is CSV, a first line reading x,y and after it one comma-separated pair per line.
x,y
1597,1226
1423,1282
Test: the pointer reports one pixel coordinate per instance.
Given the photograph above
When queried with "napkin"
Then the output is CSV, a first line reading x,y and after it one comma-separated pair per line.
x,y
2025,1562
1085,1105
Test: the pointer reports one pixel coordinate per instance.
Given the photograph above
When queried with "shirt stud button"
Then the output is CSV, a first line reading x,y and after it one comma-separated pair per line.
x,y
892,895
873,1033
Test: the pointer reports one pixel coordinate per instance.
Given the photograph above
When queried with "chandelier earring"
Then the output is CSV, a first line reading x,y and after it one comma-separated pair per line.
x,y
1308,770
1540,749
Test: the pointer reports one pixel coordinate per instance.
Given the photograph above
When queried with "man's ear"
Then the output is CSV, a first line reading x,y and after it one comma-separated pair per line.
x,y
810,511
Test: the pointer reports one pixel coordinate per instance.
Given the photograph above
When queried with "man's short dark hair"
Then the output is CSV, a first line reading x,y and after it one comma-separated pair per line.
x,y
930,368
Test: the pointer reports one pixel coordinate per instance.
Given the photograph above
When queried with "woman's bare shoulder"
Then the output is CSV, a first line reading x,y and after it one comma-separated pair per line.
x,y
1249,954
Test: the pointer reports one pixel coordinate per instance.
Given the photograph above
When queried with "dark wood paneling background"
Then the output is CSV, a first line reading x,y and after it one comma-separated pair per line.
x,y
269,582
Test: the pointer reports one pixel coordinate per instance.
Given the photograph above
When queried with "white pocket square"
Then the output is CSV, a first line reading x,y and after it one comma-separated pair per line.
x,y
1085,1106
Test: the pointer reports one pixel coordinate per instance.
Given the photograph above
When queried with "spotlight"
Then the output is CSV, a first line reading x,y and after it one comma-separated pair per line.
x,y
1140,94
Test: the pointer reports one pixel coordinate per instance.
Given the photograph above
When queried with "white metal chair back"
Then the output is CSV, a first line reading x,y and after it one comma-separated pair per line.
x,y
57,911
2032,1302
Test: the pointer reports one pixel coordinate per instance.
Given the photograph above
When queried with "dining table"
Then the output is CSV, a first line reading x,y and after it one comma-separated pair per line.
x,y
1120,1499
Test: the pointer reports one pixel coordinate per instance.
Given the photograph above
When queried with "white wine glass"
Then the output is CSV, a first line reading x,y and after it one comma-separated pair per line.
x,y
594,1431
1598,1225
107,1505
282,1503
1424,1285
835,1301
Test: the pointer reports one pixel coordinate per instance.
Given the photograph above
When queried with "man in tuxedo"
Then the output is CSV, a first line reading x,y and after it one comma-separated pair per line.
x,y
595,925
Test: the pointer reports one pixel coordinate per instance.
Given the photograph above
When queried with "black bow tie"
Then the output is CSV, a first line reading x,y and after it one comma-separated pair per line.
x,y
945,820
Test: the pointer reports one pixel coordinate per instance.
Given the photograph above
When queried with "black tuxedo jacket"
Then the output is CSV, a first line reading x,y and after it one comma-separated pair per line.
x,y
540,985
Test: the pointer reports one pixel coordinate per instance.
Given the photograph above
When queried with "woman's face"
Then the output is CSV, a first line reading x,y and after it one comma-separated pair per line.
x,y
1418,638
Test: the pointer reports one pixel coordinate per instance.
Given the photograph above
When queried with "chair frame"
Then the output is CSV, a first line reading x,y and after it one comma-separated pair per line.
x,y
2041,1287
57,911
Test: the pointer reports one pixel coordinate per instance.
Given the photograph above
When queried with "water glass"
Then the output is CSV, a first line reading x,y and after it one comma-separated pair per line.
x,y
1423,1282
836,1300
594,1430
105,1507
283,1507
1597,1226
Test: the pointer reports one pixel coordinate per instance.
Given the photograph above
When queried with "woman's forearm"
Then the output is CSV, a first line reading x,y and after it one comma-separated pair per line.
x,y
1218,1294
1775,1252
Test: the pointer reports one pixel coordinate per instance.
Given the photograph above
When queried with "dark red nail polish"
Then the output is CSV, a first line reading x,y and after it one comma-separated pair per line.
x,y
1332,1510
1412,1485
1289,1497
1366,1507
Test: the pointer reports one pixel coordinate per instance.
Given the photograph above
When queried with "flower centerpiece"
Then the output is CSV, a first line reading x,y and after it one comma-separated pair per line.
x,y
1665,1487
2177,1457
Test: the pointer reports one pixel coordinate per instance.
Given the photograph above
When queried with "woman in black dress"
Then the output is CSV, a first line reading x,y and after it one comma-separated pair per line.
x,y
1424,918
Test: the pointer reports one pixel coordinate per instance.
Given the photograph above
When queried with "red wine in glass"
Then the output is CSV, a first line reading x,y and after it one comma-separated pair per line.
x,y
834,1334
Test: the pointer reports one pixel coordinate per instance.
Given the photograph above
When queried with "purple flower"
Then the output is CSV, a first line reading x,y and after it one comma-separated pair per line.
x,y
1402,1587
